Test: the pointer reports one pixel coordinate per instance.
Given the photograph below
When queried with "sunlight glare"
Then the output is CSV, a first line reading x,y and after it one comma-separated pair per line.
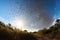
x,y
19,23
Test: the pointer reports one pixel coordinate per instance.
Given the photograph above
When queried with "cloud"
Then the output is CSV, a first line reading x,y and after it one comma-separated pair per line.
x,y
38,13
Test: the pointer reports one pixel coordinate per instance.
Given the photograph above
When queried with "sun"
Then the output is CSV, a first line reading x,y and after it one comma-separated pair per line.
x,y
19,23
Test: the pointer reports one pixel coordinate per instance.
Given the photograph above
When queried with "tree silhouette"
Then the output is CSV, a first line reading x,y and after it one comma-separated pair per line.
x,y
2,24
58,20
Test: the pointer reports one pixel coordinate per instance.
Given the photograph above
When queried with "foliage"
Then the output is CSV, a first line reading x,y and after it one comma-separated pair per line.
x,y
8,33
52,32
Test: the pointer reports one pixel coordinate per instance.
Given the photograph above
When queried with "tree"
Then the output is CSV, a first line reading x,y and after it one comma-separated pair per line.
x,y
58,20
2,24
9,24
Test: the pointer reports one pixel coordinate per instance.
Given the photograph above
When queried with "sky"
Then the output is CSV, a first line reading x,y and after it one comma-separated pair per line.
x,y
30,15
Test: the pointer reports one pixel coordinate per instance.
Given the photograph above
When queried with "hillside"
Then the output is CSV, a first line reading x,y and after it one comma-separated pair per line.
x,y
52,33
8,33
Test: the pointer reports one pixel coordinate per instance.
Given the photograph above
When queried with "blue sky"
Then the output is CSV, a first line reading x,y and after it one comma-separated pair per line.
x,y
36,14
5,8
